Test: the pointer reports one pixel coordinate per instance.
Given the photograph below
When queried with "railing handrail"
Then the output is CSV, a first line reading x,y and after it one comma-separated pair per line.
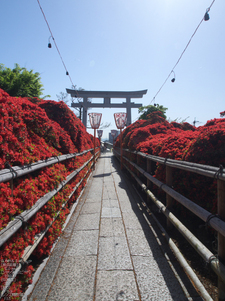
x,y
205,170
8,174
216,223
38,237
16,224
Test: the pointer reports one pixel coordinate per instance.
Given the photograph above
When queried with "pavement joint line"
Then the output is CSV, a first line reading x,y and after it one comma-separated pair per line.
x,y
170,262
64,235
116,270
68,241
135,277
96,270
101,183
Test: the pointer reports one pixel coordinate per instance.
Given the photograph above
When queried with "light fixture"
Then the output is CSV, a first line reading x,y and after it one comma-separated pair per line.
x,y
100,132
113,134
206,16
120,120
49,44
174,77
95,120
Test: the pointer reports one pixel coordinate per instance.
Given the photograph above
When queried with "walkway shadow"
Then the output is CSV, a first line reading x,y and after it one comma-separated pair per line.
x,y
143,216
102,175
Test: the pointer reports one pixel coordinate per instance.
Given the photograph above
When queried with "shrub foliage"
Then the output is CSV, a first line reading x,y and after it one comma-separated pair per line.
x,y
32,129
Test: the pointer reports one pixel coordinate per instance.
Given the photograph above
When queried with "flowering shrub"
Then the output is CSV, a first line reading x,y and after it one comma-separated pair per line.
x,y
204,145
32,130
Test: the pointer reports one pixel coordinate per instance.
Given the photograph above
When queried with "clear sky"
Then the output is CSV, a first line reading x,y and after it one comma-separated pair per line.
x,y
123,45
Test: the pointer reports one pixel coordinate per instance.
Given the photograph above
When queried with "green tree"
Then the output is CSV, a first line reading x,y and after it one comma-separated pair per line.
x,y
146,110
20,82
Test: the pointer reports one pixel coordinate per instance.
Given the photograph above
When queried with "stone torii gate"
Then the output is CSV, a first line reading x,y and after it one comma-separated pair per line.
x,y
107,95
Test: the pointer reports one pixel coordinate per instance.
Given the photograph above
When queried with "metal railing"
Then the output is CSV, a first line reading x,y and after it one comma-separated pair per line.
x,y
13,226
18,171
216,221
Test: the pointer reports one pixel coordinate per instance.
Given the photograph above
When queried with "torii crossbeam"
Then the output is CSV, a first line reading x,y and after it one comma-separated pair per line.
x,y
107,95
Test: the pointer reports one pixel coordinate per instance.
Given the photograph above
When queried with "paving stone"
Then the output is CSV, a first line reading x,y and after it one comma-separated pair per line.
x,y
110,212
134,221
88,222
126,206
89,208
90,200
113,254
83,243
95,193
110,203
109,192
46,278
156,280
108,175
71,271
111,227
75,279
141,243
116,285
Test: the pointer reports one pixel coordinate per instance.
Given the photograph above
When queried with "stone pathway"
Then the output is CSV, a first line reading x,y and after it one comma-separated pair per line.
x,y
108,251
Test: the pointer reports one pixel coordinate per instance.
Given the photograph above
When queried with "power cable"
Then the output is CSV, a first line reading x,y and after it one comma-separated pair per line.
x,y
205,18
49,45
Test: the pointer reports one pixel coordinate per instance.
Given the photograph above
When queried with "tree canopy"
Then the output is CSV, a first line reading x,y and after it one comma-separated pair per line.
x,y
146,110
20,82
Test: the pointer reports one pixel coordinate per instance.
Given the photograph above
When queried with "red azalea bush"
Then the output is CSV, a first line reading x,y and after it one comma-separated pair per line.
x,y
204,145
69,122
33,130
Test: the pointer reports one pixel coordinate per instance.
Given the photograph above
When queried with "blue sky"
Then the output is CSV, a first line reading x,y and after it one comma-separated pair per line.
x,y
123,45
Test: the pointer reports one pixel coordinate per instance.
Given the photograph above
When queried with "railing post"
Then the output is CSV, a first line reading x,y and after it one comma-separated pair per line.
x,y
169,199
149,183
121,151
94,149
138,160
221,238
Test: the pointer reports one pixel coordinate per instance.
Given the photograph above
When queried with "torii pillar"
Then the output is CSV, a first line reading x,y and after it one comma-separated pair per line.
x,y
107,95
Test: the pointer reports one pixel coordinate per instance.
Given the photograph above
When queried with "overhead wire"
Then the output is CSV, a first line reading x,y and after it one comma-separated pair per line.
x,y
172,71
182,53
67,73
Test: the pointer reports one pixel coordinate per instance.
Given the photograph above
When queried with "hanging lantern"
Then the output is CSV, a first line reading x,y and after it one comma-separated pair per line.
x,y
49,44
120,120
95,119
113,133
100,132
174,77
206,16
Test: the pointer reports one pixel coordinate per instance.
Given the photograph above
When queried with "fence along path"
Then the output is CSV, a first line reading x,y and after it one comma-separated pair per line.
x,y
109,250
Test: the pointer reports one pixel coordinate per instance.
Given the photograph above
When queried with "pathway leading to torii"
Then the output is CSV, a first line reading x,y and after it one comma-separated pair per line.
x,y
111,249
106,95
